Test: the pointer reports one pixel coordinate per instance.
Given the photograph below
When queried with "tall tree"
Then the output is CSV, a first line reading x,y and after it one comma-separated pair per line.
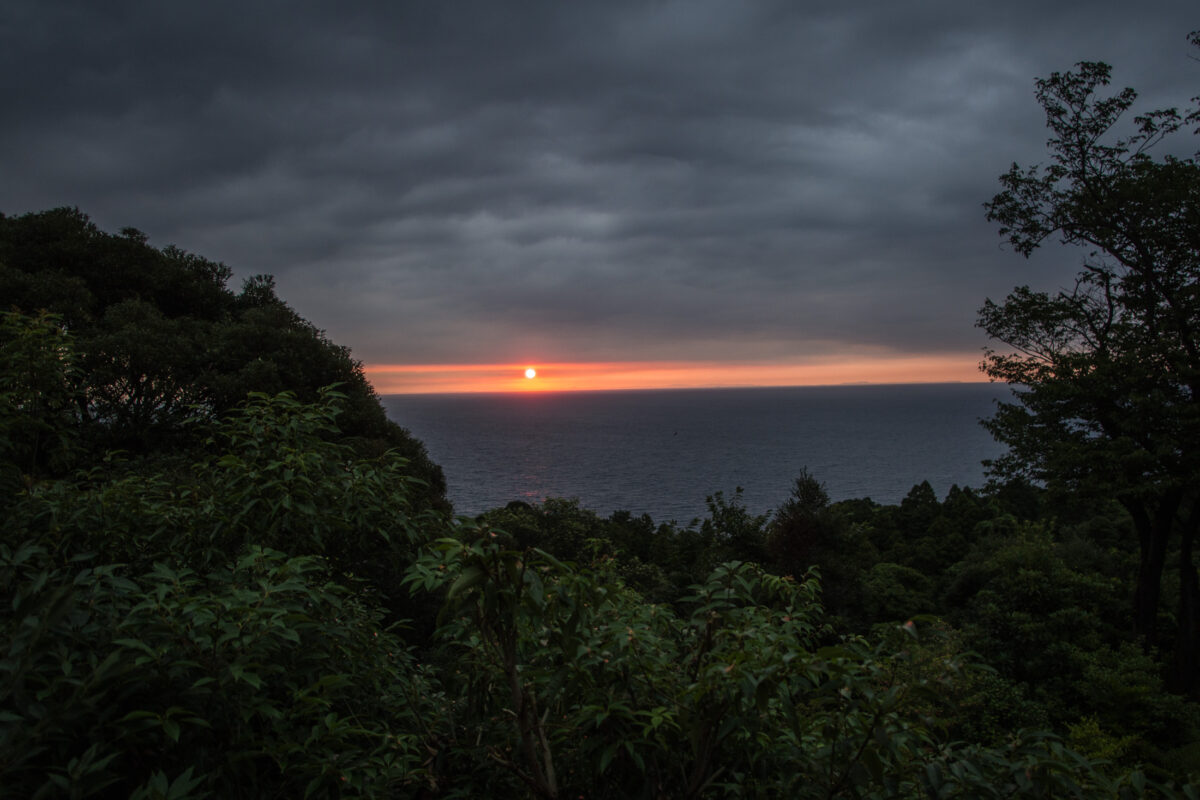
x,y
1108,372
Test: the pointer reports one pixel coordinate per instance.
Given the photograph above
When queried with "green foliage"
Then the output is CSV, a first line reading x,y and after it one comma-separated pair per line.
x,y
258,679
218,612
276,478
219,629
158,338
735,533
635,548
1089,738
1031,615
572,685
661,562
36,404
808,532
160,644
801,529
284,481
1121,689
897,592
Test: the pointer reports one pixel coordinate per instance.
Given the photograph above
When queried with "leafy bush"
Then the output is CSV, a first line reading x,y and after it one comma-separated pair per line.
x,y
571,685
161,642
276,477
257,679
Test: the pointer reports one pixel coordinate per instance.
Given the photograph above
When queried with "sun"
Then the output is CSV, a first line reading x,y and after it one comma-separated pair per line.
x,y
531,373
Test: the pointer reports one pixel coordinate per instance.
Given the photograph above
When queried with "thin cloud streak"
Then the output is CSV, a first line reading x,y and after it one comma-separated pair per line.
x,y
611,376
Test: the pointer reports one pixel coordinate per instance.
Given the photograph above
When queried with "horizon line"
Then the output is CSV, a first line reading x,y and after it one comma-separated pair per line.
x,y
846,385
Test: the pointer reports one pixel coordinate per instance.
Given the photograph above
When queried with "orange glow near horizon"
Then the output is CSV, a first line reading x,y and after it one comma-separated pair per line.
x,y
614,375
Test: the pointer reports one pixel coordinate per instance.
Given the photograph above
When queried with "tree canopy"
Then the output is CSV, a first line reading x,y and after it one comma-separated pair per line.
x,y
158,338
232,624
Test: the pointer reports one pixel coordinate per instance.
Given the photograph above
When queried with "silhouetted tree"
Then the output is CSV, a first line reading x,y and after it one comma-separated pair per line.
x,y
806,532
1109,371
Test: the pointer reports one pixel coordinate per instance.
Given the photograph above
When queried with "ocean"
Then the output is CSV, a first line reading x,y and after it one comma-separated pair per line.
x,y
662,452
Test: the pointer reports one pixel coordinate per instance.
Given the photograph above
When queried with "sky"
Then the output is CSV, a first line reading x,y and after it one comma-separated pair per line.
x,y
617,194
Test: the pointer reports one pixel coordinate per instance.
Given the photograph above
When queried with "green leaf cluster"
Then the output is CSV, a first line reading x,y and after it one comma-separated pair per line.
x,y
258,679
572,685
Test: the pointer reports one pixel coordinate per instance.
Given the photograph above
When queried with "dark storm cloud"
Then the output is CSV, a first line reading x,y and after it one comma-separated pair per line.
x,y
441,181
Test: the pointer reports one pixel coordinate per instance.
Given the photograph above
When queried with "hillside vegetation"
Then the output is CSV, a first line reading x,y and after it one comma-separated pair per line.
x,y
253,603
226,574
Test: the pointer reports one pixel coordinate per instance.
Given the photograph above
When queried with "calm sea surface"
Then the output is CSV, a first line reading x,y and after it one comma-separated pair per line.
x,y
662,452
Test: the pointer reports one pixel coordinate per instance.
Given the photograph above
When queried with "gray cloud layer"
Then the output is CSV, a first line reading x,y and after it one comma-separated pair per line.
x,y
486,181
